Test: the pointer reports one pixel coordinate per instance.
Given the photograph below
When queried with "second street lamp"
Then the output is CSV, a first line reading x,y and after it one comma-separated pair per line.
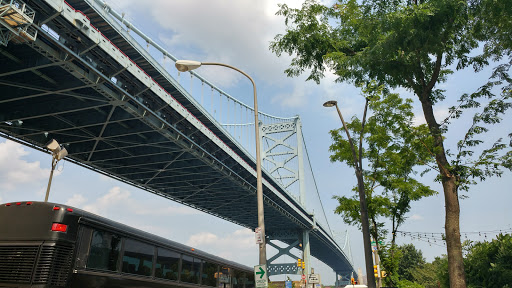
x,y
365,225
187,65
58,153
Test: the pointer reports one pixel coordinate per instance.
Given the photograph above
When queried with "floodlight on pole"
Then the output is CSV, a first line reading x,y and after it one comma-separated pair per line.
x,y
365,225
188,65
58,153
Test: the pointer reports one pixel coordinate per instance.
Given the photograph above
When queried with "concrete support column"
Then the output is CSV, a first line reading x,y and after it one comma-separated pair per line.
x,y
306,252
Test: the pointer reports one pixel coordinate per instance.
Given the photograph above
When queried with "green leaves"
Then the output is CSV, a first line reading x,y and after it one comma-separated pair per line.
x,y
412,45
308,35
393,149
489,264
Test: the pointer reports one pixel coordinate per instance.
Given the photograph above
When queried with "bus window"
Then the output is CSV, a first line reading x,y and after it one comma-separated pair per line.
x,y
167,264
138,257
238,279
104,252
190,267
209,275
250,280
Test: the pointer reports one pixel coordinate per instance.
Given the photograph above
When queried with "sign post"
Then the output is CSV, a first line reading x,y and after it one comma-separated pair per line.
x,y
260,276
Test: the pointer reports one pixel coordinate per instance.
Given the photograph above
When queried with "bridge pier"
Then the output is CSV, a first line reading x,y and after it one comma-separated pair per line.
x,y
343,278
300,241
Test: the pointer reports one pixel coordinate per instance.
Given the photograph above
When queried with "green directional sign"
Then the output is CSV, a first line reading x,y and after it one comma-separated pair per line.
x,y
261,273
260,276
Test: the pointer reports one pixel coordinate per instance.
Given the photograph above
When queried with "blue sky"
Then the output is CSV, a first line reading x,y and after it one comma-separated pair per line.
x,y
238,33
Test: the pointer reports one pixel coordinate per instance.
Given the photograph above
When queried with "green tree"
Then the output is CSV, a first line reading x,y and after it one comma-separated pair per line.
x,y
411,260
393,148
432,275
489,264
415,44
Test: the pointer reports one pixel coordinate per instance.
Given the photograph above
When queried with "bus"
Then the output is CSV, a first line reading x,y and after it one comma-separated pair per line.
x,y
53,245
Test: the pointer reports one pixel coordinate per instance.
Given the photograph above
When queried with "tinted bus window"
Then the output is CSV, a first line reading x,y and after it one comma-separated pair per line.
x,y
190,267
238,279
209,274
104,252
250,280
138,257
167,264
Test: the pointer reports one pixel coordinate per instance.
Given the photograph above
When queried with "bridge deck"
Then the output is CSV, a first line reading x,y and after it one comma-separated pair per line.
x,y
67,86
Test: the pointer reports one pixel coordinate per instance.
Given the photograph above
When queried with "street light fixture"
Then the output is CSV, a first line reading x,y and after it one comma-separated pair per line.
x,y
362,196
58,153
187,65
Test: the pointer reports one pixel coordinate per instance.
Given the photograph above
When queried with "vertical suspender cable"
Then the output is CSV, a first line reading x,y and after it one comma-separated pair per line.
x,y
220,107
202,93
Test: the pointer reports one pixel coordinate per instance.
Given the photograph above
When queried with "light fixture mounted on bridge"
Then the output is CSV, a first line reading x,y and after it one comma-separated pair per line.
x,y
57,151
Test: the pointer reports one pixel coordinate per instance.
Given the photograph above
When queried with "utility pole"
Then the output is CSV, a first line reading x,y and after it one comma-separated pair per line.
x,y
377,264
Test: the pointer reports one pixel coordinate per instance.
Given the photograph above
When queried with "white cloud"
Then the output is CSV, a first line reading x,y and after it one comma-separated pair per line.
x,y
167,210
15,170
232,32
416,217
296,98
204,238
116,197
234,246
119,198
76,200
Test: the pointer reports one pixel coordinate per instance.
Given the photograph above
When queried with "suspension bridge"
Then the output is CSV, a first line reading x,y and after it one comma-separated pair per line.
x,y
78,71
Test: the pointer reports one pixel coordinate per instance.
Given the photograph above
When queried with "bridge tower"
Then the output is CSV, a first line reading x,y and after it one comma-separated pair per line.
x,y
284,154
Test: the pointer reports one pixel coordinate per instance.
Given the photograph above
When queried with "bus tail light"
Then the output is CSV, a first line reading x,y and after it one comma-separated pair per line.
x,y
59,227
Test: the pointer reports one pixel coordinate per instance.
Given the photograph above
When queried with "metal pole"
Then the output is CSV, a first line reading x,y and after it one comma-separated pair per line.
x,y
54,163
259,185
377,262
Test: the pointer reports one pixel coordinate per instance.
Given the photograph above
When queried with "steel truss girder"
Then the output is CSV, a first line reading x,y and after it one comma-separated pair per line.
x,y
150,119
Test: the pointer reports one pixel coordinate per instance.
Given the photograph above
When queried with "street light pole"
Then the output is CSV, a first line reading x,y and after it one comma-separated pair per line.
x,y
54,163
58,153
365,225
187,65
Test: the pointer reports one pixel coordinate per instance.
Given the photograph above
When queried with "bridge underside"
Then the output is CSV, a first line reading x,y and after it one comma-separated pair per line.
x,y
48,94
64,86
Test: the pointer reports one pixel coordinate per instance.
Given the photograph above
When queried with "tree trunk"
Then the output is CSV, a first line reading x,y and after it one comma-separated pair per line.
x,y
452,228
